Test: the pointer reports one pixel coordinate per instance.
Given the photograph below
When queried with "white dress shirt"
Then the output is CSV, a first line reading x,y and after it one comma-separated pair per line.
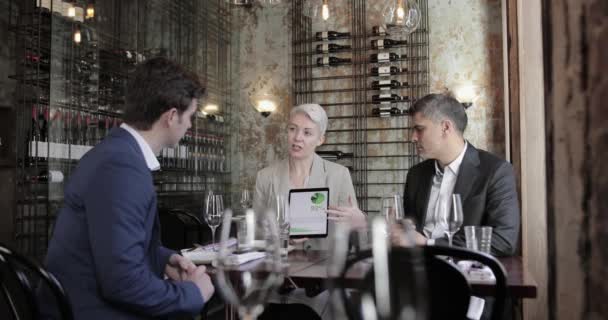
x,y
149,155
441,193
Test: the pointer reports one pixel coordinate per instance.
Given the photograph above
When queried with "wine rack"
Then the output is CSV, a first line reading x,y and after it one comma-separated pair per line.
x,y
366,79
72,76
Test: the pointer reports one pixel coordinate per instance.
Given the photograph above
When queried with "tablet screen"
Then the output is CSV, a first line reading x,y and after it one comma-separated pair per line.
x,y
308,212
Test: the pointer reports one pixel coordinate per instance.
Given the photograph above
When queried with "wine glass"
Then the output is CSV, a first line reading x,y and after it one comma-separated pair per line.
x,y
246,201
451,220
214,209
283,225
248,286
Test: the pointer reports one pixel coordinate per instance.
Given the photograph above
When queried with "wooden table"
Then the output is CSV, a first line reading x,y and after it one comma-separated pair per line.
x,y
308,269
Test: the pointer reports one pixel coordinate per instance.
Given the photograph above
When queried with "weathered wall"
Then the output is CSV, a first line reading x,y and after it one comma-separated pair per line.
x,y
465,49
262,43
577,90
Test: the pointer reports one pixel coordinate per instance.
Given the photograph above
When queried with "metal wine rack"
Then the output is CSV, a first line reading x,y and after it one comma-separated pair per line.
x,y
377,150
72,75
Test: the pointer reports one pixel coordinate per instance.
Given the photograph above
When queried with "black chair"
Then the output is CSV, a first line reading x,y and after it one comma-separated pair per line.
x,y
179,228
444,291
291,311
27,289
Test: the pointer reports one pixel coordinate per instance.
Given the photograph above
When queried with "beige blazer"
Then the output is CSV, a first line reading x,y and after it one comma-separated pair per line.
x,y
274,180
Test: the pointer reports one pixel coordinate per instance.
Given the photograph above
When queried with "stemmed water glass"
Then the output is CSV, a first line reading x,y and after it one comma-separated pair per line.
x,y
451,220
283,225
248,286
246,200
214,209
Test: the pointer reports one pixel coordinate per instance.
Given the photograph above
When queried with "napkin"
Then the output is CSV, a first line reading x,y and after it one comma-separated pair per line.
x,y
207,257
477,273
236,259
200,256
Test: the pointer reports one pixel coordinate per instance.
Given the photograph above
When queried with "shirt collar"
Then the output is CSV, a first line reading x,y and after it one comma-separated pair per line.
x,y
454,166
149,155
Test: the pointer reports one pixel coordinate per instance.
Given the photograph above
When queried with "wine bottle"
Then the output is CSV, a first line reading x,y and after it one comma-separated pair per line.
x,y
331,61
387,43
334,154
379,31
383,71
384,112
331,35
53,176
383,57
385,98
331,47
386,84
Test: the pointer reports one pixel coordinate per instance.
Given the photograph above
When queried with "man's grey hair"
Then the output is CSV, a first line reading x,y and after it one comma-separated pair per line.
x,y
314,112
438,107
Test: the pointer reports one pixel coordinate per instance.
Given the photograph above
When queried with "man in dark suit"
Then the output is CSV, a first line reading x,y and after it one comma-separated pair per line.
x,y
485,182
106,248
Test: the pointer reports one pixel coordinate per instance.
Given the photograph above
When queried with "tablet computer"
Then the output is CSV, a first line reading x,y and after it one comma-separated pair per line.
x,y
308,212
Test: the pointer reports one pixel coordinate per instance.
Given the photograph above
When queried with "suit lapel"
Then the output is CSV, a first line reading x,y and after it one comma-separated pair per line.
x,y
422,196
318,174
468,173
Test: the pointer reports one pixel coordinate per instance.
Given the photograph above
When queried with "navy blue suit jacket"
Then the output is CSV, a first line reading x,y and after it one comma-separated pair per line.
x,y
106,248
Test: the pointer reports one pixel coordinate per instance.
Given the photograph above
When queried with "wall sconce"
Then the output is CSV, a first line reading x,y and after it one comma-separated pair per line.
x,y
210,108
401,16
264,103
466,95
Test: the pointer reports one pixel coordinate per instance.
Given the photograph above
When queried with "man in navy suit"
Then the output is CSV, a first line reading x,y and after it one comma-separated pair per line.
x,y
106,248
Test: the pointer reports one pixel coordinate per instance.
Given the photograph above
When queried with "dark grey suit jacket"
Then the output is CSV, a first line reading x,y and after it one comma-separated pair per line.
x,y
486,185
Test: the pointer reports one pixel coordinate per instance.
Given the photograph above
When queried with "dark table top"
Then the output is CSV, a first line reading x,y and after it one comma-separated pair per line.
x,y
309,269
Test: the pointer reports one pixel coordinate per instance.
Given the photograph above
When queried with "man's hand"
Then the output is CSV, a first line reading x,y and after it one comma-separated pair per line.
x,y
403,236
200,277
178,266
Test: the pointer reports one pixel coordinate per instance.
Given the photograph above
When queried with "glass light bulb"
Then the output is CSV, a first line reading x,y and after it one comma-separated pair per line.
x,y
266,105
325,11
401,16
77,36
90,11
71,12
211,108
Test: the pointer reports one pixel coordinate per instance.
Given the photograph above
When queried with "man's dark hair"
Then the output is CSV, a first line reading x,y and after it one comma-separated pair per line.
x,y
156,86
438,107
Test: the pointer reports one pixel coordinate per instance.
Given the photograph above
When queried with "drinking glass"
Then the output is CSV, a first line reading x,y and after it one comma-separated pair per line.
x,y
392,209
214,209
246,200
451,220
283,225
248,286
